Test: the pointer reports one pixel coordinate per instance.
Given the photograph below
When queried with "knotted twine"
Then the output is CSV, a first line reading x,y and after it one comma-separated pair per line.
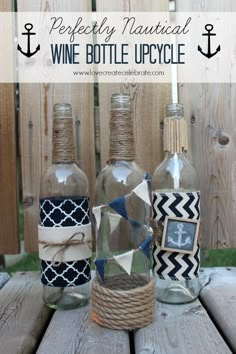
x,y
126,302
63,140
64,245
122,145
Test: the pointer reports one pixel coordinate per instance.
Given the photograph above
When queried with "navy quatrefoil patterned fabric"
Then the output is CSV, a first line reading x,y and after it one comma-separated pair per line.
x,y
63,212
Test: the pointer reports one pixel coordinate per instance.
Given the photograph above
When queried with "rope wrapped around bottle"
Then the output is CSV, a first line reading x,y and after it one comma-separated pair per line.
x,y
63,140
126,302
122,146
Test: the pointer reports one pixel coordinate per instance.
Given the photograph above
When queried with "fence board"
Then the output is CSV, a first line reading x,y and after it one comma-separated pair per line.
x,y
149,99
36,102
9,231
213,144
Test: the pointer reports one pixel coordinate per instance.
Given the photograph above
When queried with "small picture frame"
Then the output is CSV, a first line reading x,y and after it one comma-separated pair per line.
x,y
180,235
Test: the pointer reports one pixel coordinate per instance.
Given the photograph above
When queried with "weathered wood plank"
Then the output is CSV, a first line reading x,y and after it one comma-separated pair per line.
x,y
148,99
36,103
219,298
9,232
180,329
23,316
212,108
74,332
4,277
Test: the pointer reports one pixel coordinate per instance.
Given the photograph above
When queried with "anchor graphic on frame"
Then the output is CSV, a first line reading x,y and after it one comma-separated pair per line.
x,y
28,54
180,233
209,54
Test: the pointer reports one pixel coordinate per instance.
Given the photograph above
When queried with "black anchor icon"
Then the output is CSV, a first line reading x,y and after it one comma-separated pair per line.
x,y
28,54
209,54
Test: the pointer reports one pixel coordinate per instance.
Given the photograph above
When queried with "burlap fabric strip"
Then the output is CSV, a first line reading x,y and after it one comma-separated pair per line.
x,y
126,302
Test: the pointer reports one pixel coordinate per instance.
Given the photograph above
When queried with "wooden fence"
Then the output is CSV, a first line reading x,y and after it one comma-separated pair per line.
x,y
209,111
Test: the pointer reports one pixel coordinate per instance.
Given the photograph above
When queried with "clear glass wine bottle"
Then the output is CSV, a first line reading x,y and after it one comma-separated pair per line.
x,y
64,206
175,187
121,175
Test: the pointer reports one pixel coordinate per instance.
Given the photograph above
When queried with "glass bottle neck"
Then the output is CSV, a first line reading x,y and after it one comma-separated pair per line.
x,y
182,154
119,162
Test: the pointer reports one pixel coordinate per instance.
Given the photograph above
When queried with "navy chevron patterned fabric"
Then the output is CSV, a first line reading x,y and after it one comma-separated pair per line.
x,y
176,266
173,265
182,204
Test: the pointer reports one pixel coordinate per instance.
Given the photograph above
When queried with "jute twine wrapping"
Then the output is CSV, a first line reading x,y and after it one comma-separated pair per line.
x,y
127,302
63,140
175,135
122,145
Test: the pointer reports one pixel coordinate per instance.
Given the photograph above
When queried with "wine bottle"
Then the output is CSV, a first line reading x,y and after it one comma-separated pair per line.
x,y
64,229
176,194
123,222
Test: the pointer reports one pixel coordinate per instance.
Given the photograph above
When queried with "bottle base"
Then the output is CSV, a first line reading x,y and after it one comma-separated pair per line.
x,y
65,298
177,292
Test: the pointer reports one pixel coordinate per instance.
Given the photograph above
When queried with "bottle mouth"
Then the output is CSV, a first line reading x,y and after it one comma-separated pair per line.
x,y
175,110
120,101
63,110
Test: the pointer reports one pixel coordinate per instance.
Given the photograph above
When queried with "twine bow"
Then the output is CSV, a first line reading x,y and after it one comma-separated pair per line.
x,y
64,246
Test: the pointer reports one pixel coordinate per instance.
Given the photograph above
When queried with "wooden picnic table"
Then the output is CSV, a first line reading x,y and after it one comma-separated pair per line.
x,y
207,325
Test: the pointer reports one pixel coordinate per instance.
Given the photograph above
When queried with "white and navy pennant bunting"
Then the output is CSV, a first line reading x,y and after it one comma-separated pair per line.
x,y
124,260
119,206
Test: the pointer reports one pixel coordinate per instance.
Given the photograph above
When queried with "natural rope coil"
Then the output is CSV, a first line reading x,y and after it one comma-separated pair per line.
x,y
63,140
127,302
122,145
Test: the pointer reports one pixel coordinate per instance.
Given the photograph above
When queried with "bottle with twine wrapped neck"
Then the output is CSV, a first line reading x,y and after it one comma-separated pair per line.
x,y
122,292
176,214
64,230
